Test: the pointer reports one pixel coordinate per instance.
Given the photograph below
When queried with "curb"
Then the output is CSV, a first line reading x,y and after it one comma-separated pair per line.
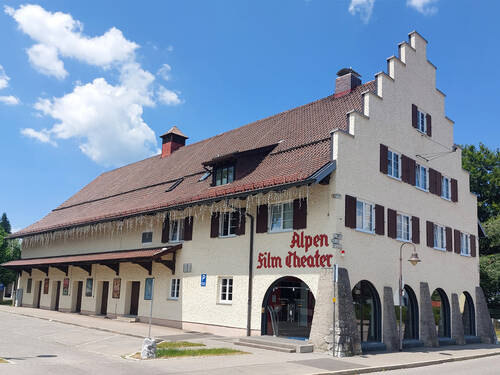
x,y
366,370
75,324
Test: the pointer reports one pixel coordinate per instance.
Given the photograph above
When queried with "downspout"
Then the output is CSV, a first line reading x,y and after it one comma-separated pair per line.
x,y
250,275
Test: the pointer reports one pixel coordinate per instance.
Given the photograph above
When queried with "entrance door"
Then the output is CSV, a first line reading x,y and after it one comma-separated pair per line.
x,y
39,294
104,298
58,293
288,309
134,297
78,307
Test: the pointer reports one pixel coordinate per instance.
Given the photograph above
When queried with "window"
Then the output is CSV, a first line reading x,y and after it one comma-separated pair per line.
x,y
422,121
28,286
393,166
176,232
439,237
421,177
175,285
228,224
445,187
464,244
147,237
224,175
281,217
226,290
365,216
403,227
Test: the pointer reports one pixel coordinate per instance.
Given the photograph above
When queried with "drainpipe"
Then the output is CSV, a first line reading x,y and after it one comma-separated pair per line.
x,y
250,275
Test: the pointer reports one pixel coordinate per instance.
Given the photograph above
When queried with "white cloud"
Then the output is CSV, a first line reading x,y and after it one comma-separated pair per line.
x,y
59,35
170,48
362,7
4,78
9,100
425,7
43,135
164,72
168,97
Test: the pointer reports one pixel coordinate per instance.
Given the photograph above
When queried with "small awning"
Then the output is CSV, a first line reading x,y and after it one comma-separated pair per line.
x,y
111,259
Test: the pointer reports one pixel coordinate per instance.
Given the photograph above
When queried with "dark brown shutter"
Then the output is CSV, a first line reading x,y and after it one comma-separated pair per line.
x,y
457,241
240,230
430,233
449,239
384,150
432,181
429,125
188,228
413,173
350,211
214,225
262,212
379,220
415,229
454,190
405,168
472,245
165,230
414,116
439,183
391,223
300,213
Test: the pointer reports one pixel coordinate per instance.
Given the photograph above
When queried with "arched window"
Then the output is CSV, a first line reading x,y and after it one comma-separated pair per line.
x,y
367,310
441,310
287,309
468,314
410,314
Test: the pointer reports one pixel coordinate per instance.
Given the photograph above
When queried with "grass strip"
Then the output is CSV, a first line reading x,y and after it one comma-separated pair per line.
x,y
3,360
170,353
177,344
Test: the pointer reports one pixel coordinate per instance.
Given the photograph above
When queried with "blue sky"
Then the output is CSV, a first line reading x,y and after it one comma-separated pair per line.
x,y
93,86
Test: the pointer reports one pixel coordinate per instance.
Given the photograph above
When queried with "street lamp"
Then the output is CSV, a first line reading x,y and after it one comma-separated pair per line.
x,y
414,260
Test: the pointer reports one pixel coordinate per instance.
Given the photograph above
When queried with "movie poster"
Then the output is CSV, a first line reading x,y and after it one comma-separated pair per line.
x,y
116,288
88,287
66,287
46,286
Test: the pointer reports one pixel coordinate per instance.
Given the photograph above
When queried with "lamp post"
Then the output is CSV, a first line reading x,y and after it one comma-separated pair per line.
x,y
414,260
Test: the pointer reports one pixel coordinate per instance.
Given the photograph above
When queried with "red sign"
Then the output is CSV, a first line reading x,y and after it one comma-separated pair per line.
x,y
292,260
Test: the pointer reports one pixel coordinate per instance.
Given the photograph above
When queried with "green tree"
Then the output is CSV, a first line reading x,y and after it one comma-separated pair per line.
x,y
9,250
490,282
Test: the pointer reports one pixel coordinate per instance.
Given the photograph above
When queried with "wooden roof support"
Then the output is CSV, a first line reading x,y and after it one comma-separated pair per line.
x,y
63,268
148,266
44,269
27,270
112,266
169,264
85,267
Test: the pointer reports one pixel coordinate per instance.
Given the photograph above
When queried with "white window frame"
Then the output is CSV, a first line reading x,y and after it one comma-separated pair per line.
x,y
465,244
179,232
175,288
226,296
367,208
421,121
442,230
270,217
448,196
230,227
400,231
418,175
219,175
148,242
391,154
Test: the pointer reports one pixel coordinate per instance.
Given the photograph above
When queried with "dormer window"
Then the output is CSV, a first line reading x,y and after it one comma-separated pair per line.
x,y
224,175
147,237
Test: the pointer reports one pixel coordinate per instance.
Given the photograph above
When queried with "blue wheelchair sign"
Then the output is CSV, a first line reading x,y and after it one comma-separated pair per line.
x,y
203,279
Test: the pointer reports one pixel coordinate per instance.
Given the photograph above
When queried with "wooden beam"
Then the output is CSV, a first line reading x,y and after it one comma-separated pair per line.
x,y
62,268
27,270
148,266
43,269
112,266
85,267
170,264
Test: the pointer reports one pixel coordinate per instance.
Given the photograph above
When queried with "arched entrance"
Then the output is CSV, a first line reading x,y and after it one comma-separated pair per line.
x,y
410,314
288,308
367,310
441,310
468,314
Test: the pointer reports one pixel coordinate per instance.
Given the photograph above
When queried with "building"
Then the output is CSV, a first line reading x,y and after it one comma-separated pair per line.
x,y
240,231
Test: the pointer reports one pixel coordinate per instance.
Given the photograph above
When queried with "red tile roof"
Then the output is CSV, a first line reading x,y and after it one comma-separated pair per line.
x,y
125,255
301,136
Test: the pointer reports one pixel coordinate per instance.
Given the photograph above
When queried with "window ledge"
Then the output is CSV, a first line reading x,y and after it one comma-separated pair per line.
x,y
395,178
364,231
421,189
465,255
279,231
172,299
228,236
403,240
446,199
225,303
439,249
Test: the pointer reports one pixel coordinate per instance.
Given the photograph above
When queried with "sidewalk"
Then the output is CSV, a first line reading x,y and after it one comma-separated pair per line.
x,y
261,361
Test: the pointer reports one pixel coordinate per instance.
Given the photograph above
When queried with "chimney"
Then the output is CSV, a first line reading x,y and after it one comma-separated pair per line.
x,y
171,141
347,80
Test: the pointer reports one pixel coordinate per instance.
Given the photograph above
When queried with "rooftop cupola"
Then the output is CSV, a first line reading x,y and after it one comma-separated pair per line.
x,y
171,141
347,80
